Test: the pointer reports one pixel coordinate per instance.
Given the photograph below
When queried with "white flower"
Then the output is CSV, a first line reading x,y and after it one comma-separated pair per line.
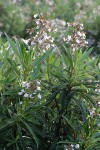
x,y
26,41
52,40
97,90
83,34
68,24
28,85
77,146
24,84
48,46
49,30
81,25
92,113
33,43
69,37
38,83
45,37
72,145
64,39
38,22
36,15
63,22
40,41
98,103
22,90
86,42
21,102
39,96
79,33
20,93
43,51
77,41
99,65
38,88
93,58
55,30
26,95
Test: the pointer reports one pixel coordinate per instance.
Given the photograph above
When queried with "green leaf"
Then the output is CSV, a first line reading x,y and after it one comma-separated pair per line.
x,y
37,63
13,46
30,129
13,65
69,122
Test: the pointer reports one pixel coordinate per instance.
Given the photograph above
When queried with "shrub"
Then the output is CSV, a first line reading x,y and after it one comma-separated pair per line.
x,y
48,100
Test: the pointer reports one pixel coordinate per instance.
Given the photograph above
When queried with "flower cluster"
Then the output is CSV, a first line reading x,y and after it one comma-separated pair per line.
x,y
77,39
72,147
98,86
30,90
99,104
83,16
43,38
92,112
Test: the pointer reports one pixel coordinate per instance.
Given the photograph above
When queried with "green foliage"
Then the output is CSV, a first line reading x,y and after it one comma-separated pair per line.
x,y
62,116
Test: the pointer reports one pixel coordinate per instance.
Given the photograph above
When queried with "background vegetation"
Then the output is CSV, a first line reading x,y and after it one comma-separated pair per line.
x,y
17,16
